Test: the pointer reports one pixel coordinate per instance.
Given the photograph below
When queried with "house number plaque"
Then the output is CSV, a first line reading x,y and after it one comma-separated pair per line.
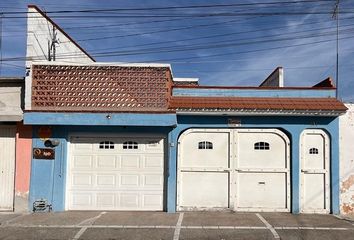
x,y
43,153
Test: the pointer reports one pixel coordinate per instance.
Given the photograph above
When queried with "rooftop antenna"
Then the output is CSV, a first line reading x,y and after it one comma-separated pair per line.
x,y
51,45
336,17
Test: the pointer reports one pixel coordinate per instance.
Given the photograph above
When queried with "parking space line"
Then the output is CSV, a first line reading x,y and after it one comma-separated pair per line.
x,y
87,222
315,228
173,227
270,227
80,232
224,227
14,219
90,221
324,228
178,227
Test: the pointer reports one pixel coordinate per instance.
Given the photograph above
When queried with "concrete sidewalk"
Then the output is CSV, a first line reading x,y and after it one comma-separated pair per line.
x,y
159,225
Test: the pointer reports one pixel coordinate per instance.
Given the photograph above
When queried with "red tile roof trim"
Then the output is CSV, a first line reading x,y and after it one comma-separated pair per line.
x,y
250,103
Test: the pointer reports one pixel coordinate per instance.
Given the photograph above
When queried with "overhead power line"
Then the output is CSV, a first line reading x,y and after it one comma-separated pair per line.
x,y
249,51
178,7
222,44
224,14
195,57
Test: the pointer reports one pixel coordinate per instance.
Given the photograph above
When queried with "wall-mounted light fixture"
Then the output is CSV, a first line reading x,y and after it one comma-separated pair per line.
x,y
51,143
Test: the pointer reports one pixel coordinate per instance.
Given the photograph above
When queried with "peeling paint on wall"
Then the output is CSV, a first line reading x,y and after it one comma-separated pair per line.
x,y
346,209
346,131
347,184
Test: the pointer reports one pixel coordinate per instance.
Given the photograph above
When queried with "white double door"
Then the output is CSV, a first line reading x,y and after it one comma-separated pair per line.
x,y
239,169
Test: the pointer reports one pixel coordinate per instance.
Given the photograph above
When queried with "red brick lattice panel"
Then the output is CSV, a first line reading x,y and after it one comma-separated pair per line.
x,y
100,88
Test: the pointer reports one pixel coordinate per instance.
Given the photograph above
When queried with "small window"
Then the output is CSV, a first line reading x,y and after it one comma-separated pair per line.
x,y
106,145
313,151
261,146
205,145
130,145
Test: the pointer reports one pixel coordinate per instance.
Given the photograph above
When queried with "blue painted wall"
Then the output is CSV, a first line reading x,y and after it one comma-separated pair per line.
x,y
99,119
292,126
215,92
48,177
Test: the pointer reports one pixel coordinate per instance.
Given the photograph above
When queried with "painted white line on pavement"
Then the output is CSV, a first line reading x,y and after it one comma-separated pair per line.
x,y
90,221
315,228
223,227
79,233
173,227
178,227
87,222
325,228
14,219
270,227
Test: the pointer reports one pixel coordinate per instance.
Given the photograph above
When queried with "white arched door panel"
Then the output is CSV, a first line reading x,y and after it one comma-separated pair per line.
x,y
315,171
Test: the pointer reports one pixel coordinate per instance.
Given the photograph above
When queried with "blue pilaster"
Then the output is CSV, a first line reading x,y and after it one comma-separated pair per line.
x,y
335,178
172,171
295,171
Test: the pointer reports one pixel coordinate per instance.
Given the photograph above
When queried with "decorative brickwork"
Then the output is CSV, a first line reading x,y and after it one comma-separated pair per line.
x,y
100,88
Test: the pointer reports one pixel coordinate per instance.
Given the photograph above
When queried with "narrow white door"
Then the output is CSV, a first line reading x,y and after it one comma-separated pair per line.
x,y
315,160
203,180
7,167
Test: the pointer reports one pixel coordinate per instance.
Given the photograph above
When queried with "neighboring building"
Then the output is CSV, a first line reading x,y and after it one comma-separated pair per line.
x,y
15,140
118,136
346,133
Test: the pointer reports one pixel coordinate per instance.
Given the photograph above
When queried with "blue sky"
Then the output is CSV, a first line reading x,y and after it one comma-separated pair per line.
x,y
221,45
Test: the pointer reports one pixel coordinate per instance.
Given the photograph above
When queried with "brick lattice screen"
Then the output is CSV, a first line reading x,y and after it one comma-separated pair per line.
x,y
100,88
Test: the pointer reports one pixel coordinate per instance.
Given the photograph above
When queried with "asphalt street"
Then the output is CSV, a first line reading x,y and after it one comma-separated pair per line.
x,y
174,226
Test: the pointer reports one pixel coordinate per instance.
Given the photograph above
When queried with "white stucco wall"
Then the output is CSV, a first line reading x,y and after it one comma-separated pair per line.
x,y
346,150
39,38
10,104
275,79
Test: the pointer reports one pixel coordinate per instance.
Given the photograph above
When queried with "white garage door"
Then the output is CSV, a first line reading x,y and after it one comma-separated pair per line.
x,y
240,169
115,173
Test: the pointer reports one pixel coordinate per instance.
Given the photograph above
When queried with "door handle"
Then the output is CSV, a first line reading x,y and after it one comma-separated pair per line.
x,y
305,171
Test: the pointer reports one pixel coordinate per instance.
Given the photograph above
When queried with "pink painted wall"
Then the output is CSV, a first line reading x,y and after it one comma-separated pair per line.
x,y
23,159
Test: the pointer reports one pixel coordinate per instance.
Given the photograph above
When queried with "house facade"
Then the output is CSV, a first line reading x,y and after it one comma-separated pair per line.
x,y
124,137
119,136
